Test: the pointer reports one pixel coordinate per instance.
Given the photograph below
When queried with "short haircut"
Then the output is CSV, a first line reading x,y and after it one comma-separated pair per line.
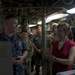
x,y
24,31
38,26
10,16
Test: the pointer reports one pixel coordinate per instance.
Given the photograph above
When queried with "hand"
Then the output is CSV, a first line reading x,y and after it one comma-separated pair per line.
x,y
14,61
19,60
39,50
52,58
26,62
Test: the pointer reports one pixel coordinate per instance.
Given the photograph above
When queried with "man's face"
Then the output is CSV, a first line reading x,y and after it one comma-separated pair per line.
x,y
34,31
39,29
12,25
25,35
54,29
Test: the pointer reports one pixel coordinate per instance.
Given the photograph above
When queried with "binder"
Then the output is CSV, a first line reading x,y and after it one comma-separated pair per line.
x,y
6,67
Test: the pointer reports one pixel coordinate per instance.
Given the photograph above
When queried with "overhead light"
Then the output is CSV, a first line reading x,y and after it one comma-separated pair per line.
x,y
40,22
54,17
31,25
71,11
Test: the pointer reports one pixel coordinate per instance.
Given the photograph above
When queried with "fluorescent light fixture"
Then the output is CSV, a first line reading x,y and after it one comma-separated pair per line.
x,y
71,11
54,17
31,25
40,22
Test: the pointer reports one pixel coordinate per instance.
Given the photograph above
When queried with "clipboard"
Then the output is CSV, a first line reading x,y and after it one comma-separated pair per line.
x,y
6,67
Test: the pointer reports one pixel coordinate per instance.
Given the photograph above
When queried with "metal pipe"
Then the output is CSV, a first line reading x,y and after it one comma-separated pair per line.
x,y
44,68
28,7
43,37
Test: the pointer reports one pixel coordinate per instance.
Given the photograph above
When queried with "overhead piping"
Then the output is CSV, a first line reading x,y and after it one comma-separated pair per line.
x,y
28,7
69,2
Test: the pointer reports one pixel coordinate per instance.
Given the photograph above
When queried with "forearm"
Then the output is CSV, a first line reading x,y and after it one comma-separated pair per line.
x,y
35,47
69,60
25,54
63,61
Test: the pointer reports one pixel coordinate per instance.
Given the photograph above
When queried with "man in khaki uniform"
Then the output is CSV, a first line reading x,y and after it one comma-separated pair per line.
x,y
48,47
29,46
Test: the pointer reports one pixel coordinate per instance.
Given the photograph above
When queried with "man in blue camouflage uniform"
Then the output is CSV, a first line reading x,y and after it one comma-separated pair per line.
x,y
19,51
